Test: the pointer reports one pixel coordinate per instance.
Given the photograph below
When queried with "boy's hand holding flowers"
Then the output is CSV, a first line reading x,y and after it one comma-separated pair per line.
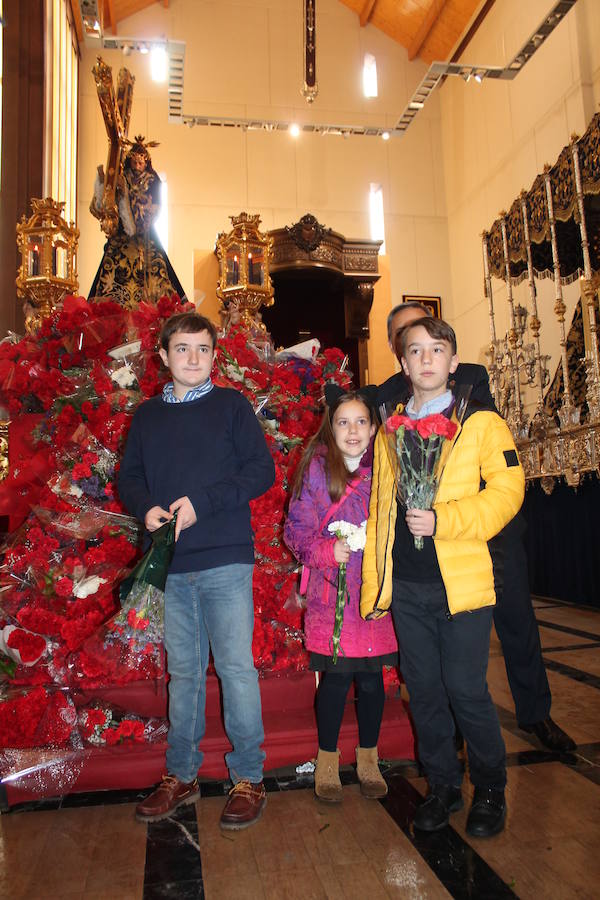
x,y
156,517
186,514
420,522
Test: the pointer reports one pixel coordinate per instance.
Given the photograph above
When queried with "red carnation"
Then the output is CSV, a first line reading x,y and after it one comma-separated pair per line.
x,y
29,646
64,587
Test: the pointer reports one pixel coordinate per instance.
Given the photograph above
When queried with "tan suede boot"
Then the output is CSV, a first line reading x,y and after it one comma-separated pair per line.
x,y
372,785
328,786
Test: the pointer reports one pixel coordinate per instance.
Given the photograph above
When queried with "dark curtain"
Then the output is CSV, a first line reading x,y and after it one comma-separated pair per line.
x,y
563,541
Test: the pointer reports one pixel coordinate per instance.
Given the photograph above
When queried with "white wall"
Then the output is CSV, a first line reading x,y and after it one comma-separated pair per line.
x,y
497,136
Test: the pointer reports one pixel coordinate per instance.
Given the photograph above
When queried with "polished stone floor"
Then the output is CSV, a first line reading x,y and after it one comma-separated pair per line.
x,y
89,846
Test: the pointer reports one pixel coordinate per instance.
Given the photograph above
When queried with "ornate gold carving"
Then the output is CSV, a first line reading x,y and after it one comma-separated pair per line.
x,y
307,233
4,464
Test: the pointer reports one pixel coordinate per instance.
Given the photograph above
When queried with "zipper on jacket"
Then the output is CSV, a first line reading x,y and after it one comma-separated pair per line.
x,y
380,591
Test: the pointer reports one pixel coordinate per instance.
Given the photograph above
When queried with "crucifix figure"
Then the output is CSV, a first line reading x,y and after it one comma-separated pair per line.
x,y
116,111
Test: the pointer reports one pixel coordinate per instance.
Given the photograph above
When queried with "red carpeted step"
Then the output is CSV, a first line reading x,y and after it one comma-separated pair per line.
x,y
290,739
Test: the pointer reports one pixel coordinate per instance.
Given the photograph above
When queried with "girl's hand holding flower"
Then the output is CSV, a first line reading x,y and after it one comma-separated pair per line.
x,y
341,551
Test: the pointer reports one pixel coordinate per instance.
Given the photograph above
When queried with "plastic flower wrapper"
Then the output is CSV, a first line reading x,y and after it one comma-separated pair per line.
x,y
102,724
86,522
91,331
414,447
130,645
88,469
356,537
41,751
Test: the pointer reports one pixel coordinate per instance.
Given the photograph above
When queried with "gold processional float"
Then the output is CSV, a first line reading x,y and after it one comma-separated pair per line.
x,y
546,234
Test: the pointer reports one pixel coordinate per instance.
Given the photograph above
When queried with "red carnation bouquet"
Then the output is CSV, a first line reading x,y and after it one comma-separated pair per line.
x,y
414,448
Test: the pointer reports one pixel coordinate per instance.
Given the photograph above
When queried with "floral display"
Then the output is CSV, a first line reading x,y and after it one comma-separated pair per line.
x,y
356,538
71,393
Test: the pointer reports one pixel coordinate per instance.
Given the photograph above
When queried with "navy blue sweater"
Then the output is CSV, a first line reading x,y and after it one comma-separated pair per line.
x,y
211,450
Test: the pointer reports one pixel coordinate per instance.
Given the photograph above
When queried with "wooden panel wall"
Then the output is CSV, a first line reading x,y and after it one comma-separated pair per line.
x,y
22,138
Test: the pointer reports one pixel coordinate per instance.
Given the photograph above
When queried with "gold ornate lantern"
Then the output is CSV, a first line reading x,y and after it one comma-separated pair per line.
x,y
48,270
244,257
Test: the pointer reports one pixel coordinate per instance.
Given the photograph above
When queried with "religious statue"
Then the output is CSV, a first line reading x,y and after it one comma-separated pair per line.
x,y
134,266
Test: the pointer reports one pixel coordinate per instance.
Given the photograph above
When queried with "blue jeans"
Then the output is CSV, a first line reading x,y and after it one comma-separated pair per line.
x,y
444,663
212,607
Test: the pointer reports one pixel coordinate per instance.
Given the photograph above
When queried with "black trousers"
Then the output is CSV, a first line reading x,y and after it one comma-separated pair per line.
x,y
331,699
517,626
444,663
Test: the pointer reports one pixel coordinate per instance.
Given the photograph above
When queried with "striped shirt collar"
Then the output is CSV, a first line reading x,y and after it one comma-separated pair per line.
x,y
201,390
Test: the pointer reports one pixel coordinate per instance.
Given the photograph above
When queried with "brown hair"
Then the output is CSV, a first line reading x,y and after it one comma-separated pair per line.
x,y
435,328
335,468
189,322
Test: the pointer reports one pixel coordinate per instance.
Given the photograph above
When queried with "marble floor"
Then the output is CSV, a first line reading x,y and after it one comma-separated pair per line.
x,y
89,846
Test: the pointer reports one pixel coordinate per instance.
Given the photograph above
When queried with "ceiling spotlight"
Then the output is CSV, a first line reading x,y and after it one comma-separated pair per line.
x,y
386,135
466,76
478,76
416,104
126,49
144,48
294,130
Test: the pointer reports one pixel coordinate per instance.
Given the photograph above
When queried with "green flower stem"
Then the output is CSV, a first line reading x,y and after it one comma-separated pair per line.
x,y
340,602
8,666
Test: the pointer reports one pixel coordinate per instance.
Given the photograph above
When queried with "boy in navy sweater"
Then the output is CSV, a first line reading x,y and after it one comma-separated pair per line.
x,y
198,449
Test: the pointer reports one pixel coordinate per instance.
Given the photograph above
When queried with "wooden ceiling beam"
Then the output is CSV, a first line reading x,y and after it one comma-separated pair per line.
x,y
366,12
111,15
78,19
426,27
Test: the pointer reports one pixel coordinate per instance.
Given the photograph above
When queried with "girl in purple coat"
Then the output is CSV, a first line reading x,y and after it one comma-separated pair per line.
x,y
333,484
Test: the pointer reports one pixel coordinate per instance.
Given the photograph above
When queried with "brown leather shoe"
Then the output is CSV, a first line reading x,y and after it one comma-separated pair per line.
x,y
170,794
244,806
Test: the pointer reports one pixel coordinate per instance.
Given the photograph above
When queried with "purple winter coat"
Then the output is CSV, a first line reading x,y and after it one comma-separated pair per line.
x,y
314,548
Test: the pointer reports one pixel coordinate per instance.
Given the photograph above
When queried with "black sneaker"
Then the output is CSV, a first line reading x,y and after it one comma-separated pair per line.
x,y
434,813
487,813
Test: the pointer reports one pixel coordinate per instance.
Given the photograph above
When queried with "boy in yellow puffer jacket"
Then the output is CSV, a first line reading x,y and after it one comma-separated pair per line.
x,y
442,596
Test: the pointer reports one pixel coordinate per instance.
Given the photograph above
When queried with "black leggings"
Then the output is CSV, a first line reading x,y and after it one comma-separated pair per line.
x,y
331,699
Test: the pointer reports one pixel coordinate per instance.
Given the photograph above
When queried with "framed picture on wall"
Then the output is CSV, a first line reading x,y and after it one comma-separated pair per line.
x,y
432,303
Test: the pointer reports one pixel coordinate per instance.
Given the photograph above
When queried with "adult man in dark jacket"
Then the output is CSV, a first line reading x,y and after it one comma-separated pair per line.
x,y
514,619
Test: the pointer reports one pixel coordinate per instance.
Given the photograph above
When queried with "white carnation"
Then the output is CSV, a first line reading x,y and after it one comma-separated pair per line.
x,y
88,586
356,535
358,538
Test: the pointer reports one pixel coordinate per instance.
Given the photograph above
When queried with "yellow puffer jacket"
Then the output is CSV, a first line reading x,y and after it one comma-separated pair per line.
x,y
467,517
